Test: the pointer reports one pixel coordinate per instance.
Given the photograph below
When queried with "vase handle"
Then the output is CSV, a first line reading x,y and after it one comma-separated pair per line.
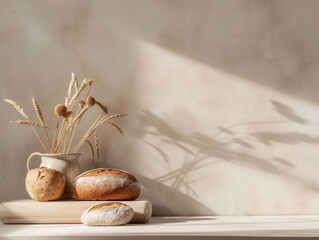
x,y
31,157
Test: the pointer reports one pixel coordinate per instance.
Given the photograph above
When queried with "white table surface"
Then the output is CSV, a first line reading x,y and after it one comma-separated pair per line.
x,y
265,226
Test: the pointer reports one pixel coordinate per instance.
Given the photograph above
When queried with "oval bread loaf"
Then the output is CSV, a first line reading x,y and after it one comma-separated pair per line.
x,y
44,184
107,214
105,184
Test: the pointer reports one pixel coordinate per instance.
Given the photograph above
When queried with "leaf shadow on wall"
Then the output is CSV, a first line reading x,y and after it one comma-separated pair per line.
x,y
288,113
206,150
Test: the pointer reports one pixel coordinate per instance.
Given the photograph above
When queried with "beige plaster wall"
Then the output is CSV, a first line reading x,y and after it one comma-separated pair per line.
x,y
222,96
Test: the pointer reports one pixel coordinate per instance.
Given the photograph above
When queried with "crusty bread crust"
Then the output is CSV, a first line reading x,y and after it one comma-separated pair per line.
x,y
106,206
105,184
108,172
45,184
109,214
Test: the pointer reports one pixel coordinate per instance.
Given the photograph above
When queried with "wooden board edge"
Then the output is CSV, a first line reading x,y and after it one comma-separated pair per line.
x,y
15,219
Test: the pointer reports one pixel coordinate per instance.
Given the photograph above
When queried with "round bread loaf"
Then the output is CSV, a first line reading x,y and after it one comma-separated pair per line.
x,y
107,214
105,184
45,184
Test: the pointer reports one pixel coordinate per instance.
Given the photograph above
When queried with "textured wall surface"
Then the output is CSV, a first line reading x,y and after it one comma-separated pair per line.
x,y
222,96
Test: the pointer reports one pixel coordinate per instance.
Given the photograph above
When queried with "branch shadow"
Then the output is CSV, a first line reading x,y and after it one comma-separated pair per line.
x,y
202,150
288,113
268,138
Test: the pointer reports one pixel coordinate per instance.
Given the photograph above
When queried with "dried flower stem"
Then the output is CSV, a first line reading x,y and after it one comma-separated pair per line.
x,y
46,133
65,139
22,112
76,95
39,139
54,143
69,128
76,122
60,140
61,129
96,123
38,111
65,129
33,124
72,136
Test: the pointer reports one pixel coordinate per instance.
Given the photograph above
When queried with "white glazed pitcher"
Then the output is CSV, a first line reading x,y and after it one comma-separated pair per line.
x,y
67,164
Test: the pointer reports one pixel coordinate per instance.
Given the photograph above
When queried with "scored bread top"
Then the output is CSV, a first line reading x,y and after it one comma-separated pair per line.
x,y
107,206
107,172
45,170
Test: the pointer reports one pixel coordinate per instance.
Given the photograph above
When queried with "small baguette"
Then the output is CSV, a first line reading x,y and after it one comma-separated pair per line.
x,y
105,184
107,214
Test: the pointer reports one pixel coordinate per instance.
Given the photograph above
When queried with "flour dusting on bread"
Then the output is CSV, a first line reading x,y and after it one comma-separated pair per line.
x,y
105,184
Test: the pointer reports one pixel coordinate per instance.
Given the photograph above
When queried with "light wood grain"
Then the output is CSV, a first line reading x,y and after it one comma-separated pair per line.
x,y
67,211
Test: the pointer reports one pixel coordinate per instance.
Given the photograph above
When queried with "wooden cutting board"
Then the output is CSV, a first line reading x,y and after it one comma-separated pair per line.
x,y
65,211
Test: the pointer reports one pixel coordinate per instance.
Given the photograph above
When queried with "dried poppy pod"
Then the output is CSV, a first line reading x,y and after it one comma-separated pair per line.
x,y
67,114
82,103
60,110
88,82
90,101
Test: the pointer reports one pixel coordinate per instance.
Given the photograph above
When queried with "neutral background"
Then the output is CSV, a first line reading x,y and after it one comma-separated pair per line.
x,y
222,96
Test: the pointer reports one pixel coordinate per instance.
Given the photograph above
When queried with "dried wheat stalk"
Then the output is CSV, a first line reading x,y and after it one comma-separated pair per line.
x,y
73,84
17,107
38,110
115,126
80,114
39,113
28,122
116,116
64,133
22,112
76,84
88,133
76,94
